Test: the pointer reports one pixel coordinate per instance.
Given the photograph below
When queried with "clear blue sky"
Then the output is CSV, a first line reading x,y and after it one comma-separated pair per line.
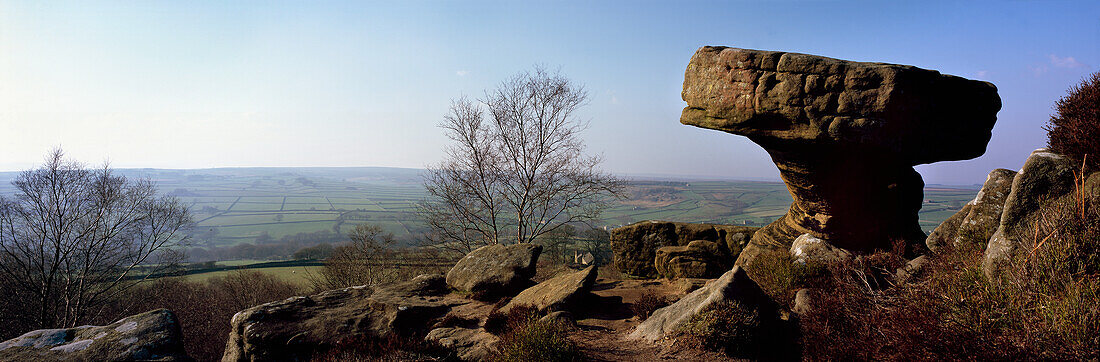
x,y
222,84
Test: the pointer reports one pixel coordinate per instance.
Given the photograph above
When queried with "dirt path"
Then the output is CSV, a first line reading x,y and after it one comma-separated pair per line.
x,y
602,330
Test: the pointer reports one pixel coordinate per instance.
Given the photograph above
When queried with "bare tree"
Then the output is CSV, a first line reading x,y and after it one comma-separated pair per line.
x,y
367,260
71,238
516,168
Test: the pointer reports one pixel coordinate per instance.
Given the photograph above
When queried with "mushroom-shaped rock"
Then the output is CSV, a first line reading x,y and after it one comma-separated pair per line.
x,y
845,136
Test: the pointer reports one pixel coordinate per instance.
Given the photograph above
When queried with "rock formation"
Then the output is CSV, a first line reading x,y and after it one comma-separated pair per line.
x,y
634,247
845,136
808,249
697,259
150,336
734,285
299,327
556,293
495,270
1045,177
977,221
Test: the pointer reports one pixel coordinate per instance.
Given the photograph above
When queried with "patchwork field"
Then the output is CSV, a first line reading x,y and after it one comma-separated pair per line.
x,y
237,205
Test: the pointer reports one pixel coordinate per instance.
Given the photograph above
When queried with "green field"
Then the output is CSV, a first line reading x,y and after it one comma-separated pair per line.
x,y
235,205
298,275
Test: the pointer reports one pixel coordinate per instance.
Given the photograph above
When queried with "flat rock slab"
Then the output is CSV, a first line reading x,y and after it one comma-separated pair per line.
x,y
494,270
150,336
557,293
299,327
469,344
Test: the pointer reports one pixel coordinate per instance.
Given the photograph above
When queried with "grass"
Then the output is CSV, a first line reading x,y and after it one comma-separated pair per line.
x,y
297,275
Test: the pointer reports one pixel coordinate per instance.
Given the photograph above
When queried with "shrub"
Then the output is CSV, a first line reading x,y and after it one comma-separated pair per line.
x,y
780,277
203,308
1047,306
728,326
524,337
647,303
1074,130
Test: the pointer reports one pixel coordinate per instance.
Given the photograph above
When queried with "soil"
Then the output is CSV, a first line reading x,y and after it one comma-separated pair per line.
x,y
602,329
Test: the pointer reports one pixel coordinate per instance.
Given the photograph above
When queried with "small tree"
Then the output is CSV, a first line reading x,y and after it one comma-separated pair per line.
x,y
366,260
72,238
517,168
1074,130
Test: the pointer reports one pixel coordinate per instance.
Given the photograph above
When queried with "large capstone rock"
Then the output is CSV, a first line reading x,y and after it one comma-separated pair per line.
x,y
558,293
150,336
697,259
635,246
733,286
297,328
495,270
845,136
977,221
1045,177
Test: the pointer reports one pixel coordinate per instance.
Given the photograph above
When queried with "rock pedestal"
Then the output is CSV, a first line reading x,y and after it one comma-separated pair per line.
x,y
845,136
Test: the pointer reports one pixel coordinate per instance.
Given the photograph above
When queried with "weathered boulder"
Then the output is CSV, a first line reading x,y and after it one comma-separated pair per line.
x,y
150,336
946,231
557,293
495,270
299,327
809,249
468,344
697,259
1045,177
845,136
734,285
977,221
634,246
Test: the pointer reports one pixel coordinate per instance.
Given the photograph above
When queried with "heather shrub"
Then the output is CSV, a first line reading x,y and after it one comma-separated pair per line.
x,y
1074,129
1046,307
729,327
779,276
523,337
647,304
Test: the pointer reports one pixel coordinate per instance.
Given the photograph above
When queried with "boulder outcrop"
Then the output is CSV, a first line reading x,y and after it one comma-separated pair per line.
x,y
557,293
634,247
697,259
495,270
977,221
845,136
299,327
468,344
150,336
734,285
1045,177
808,249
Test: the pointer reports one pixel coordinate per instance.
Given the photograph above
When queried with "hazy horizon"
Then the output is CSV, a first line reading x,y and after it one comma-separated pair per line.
x,y
203,85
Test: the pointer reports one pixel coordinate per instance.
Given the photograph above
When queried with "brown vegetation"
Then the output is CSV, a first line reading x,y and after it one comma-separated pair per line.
x,y
647,303
1047,306
204,308
1074,130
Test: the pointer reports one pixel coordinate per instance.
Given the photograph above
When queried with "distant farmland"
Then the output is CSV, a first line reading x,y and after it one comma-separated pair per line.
x,y
235,205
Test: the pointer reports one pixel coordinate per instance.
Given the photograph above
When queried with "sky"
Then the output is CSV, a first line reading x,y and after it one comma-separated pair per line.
x,y
261,84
